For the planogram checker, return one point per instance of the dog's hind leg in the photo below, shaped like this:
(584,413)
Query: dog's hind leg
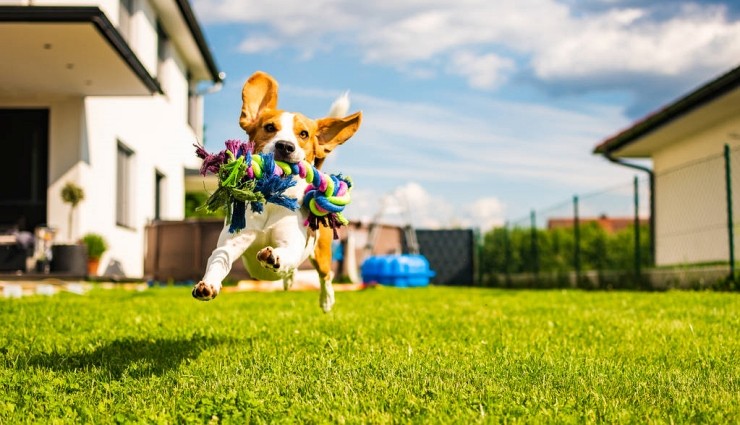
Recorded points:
(288,240)
(230,247)
(321,261)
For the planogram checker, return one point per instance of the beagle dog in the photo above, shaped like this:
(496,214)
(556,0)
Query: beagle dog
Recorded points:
(276,241)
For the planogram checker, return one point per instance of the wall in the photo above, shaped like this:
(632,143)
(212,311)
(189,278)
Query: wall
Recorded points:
(690,196)
(159,138)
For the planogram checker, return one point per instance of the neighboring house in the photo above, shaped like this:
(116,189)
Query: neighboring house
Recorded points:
(609,224)
(104,94)
(685,141)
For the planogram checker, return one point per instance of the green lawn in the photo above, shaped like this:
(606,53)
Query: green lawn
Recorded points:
(431,355)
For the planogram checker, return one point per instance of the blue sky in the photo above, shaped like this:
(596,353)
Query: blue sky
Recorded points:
(475,111)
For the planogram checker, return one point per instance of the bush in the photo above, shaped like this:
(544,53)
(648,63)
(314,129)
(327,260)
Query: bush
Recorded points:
(96,245)
(524,250)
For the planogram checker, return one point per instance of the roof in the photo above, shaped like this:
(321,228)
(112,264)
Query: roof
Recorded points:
(35,46)
(107,65)
(710,91)
(610,224)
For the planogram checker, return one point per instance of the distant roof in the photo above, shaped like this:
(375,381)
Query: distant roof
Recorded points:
(704,94)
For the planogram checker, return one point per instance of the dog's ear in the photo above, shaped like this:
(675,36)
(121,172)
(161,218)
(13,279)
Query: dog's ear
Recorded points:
(332,132)
(259,92)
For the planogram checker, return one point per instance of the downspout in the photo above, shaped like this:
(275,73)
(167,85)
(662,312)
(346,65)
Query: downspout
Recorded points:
(651,177)
(195,98)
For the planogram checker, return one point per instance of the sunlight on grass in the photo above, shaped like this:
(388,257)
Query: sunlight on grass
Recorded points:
(387,355)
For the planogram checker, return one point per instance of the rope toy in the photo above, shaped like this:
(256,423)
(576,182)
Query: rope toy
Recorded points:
(245,177)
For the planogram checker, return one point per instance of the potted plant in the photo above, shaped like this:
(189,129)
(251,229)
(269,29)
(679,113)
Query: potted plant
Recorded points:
(72,195)
(70,257)
(96,247)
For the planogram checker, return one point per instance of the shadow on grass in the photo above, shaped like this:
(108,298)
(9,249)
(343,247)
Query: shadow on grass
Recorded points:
(136,358)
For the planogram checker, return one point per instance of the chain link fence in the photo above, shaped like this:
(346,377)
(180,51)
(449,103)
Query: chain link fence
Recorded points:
(616,238)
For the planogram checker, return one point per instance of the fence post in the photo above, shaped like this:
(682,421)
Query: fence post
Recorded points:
(507,254)
(730,224)
(576,240)
(535,259)
(638,259)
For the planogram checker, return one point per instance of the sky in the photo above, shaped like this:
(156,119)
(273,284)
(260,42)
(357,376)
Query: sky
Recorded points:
(475,112)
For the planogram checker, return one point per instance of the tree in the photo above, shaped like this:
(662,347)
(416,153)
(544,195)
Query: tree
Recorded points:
(72,195)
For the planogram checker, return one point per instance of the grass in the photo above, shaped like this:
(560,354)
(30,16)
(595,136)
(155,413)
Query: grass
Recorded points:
(431,355)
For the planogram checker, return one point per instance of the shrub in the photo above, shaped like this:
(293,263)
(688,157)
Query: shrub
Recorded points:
(96,245)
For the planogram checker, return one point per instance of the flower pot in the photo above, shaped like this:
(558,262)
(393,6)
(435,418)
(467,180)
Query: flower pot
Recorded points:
(92,266)
(70,259)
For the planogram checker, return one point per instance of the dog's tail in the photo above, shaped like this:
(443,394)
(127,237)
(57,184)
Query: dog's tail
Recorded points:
(340,107)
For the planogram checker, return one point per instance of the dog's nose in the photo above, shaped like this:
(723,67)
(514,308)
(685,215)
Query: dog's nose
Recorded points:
(284,146)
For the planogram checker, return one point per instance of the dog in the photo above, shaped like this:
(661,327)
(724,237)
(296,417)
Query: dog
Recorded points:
(277,241)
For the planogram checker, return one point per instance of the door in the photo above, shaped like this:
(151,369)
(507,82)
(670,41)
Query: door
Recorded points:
(24,173)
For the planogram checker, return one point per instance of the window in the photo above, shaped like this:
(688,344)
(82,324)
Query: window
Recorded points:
(162,51)
(195,108)
(159,194)
(124,186)
(125,12)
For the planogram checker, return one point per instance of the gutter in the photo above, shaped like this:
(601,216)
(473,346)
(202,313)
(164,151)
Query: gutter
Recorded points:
(651,176)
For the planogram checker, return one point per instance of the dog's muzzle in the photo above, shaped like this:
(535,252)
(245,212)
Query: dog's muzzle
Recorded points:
(285,150)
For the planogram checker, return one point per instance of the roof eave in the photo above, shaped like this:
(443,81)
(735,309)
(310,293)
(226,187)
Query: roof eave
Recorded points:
(667,114)
(80,14)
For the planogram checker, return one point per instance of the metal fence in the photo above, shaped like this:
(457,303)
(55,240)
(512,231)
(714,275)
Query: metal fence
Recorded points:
(663,226)
(451,255)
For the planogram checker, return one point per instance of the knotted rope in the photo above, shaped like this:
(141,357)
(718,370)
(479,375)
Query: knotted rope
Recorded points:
(244,177)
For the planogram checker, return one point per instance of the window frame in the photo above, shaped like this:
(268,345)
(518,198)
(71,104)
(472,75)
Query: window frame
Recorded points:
(125,157)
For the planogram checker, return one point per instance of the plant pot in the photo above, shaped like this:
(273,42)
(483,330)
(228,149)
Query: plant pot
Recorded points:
(92,266)
(71,259)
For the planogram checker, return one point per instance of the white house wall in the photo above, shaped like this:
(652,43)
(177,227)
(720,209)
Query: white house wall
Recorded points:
(67,138)
(156,130)
(690,196)
(158,139)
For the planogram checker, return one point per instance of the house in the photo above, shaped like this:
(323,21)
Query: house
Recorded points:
(106,94)
(685,141)
(610,225)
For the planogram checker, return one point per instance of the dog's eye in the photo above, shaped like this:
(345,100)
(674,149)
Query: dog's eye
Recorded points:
(303,134)
(270,128)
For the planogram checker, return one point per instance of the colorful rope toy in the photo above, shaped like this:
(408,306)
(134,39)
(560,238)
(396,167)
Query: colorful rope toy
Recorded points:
(244,177)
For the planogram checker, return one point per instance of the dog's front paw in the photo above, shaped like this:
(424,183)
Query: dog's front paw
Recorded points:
(266,256)
(326,300)
(204,291)
(326,297)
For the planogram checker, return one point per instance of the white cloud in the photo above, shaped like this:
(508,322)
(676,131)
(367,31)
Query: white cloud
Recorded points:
(627,41)
(521,140)
(554,40)
(482,71)
(411,203)
(258,44)
(486,213)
